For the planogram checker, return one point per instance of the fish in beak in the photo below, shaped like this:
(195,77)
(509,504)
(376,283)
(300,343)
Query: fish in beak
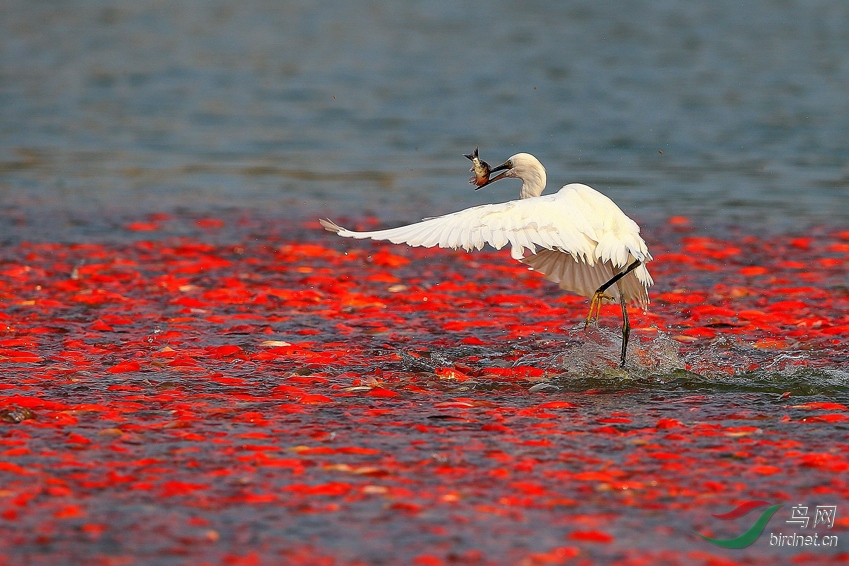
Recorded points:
(506,167)
(480,168)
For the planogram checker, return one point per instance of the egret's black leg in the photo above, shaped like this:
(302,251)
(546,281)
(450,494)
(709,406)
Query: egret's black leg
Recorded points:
(598,296)
(618,276)
(626,328)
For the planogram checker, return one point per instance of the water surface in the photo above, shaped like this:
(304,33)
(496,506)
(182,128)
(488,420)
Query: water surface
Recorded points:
(729,112)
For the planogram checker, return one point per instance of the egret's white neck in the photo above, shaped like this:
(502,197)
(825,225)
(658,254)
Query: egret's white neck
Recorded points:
(533,182)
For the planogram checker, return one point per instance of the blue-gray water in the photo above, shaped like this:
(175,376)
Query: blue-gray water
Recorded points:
(725,111)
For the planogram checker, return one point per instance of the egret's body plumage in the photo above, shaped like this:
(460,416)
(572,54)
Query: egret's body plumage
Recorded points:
(577,237)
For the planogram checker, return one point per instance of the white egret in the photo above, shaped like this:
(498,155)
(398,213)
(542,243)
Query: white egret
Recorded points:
(576,237)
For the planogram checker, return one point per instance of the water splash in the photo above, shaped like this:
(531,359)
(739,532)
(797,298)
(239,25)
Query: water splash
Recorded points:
(581,360)
(588,359)
(594,352)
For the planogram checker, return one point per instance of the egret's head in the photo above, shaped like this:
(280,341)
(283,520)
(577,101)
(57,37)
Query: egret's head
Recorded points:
(522,166)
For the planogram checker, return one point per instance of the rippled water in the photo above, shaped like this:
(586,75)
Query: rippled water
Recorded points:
(725,111)
(266,113)
(728,112)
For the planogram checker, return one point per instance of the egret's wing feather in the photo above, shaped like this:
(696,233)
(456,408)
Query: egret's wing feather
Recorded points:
(584,279)
(636,285)
(571,274)
(617,237)
(520,223)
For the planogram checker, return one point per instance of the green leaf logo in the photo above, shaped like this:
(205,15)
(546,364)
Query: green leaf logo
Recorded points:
(754,531)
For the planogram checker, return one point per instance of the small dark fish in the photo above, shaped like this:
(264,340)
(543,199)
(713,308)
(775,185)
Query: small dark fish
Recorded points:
(481,169)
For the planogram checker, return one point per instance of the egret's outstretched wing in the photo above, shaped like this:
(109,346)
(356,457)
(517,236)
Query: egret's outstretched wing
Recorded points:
(547,222)
(577,237)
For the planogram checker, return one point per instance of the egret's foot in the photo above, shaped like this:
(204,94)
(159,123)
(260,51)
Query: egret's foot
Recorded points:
(595,307)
